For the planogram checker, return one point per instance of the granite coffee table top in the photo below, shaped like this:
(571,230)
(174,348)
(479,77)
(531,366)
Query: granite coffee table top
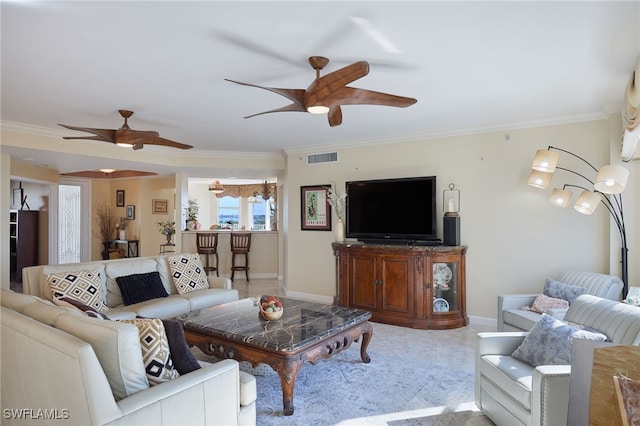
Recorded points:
(302,323)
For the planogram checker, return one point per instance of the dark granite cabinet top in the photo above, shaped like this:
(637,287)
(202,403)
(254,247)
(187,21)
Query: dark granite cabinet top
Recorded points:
(301,324)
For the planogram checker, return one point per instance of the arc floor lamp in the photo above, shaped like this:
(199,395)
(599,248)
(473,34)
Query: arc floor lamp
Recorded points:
(609,183)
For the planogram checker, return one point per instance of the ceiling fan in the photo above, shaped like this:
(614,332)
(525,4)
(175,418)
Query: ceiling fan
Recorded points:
(328,93)
(125,136)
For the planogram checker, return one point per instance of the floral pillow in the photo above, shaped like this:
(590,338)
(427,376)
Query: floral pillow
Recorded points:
(543,304)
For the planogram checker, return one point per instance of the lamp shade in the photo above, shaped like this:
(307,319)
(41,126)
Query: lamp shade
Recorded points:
(587,202)
(545,161)
(539,179)
(560,197)
(611,179)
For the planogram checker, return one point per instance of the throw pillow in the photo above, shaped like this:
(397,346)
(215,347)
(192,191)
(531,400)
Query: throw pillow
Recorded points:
(155,350)
(188,273)
(83,286)
(542,304)
(183,359)
(561,290)
(549,342)
(60,300)
(136,288)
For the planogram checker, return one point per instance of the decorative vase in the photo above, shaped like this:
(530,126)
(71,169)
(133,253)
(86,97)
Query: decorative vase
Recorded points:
(168,238)
(122,234)
(339,231)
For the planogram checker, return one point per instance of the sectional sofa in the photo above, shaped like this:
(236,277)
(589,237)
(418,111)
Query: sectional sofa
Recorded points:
(533,392)
(172,270)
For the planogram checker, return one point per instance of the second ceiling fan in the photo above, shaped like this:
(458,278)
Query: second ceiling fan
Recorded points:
(328,93)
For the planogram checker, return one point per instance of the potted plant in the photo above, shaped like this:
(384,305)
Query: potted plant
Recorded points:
(192,215)
(167,228)
(107,225)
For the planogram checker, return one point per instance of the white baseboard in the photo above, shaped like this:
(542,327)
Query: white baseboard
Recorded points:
(490,322)
(310,297)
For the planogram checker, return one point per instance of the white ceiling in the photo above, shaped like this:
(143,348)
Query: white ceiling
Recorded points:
(473,66)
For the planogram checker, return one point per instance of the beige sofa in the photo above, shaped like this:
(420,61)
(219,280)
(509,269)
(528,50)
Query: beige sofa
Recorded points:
(512,392)
(511,316)
(219,291)
(60,366)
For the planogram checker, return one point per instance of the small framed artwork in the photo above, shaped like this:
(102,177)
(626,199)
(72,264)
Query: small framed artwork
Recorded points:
(120,198)
(315,209)
(17,197)
(131,212)
(160,206)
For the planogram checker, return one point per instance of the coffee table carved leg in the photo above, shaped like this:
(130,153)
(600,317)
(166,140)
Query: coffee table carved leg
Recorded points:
(288,371)
(367,334)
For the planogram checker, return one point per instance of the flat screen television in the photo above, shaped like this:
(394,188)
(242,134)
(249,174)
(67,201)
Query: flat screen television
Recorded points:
(400,211)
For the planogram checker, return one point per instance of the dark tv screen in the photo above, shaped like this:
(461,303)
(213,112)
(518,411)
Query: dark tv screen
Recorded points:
(394,210)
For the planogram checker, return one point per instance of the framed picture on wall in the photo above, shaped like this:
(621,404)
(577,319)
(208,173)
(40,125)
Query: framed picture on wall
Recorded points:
(314,208)
(120,198)
(160,206)
(131,212)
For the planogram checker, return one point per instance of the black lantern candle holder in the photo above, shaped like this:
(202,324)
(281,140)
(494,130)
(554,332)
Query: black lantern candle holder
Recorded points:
(451,219)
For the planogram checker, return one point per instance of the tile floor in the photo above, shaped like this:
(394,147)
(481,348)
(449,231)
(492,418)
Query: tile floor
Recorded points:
(456,349)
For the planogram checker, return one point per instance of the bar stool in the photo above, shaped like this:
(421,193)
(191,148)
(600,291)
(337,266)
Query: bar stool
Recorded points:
(240,246)
(207,244)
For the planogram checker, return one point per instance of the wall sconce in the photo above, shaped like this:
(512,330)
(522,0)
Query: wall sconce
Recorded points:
(216,187)
(609,183)
(451,219)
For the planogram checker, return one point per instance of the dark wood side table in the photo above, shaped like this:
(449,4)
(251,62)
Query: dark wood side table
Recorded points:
(131,249)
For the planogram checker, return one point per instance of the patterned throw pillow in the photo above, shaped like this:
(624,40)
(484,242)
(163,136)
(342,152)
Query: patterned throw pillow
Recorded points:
(543,304)
(83,286)
(188,273)
(549,342)
(155,350)
(561,290)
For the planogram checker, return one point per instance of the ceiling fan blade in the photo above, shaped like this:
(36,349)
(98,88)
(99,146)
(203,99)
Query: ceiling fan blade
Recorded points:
(325,86)
(335,116)
(291,107)
(131,136)
(294,95)
(258,48)
(106,135)
(354,96)
(164,142)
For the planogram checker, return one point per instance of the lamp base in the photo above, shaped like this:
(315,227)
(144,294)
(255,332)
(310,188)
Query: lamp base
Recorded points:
(451,230)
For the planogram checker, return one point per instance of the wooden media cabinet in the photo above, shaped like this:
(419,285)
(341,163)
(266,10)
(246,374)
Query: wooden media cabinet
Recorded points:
(411,286)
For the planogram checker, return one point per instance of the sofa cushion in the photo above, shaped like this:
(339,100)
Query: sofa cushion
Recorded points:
(509,375)
(137,288)
(72,303)
(83,286)
(560,290)
(212,296)
(16,301)
(183,359)
(187,273)
(48,313)
(117,346)
(164,307)
(549,342)
(155,350)
(119,268)
(542,304)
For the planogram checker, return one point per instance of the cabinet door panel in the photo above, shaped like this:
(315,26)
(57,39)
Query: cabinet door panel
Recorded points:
(363,288)
(397,280)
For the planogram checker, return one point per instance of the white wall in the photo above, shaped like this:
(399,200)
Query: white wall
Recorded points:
(515,237)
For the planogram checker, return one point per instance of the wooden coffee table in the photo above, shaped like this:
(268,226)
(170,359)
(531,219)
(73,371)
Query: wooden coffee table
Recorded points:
(306,332)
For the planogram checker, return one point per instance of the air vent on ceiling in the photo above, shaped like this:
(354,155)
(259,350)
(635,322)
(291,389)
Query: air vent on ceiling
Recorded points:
(327,157)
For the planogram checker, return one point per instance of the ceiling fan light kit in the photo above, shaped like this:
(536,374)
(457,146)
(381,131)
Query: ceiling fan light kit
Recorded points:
(125,136)
(327,94)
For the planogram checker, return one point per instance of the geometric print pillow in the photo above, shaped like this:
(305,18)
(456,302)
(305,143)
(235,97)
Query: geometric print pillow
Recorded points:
(188,273)
(83,286)
(155,350)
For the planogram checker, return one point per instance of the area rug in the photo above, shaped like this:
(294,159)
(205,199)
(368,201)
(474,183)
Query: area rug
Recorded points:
(394,389)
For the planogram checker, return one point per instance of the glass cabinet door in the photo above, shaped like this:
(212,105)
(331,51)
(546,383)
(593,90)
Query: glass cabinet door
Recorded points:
(445,286)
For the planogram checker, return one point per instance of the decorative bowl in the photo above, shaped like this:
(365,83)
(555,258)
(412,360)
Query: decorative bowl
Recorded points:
(270,308)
